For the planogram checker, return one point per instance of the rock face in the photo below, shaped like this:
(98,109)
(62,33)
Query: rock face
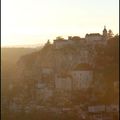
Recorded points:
(49,61)
(59,60)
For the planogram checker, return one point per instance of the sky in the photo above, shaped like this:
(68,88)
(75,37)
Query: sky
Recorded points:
(33,22)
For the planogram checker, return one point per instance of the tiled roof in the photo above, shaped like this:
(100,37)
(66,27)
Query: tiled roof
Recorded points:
(82,66)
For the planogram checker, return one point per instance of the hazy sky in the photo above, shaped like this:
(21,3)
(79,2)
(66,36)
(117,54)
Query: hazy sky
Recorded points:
(36,21)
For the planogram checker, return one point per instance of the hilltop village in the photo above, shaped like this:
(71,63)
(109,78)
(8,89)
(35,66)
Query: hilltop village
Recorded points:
(74,74)
(67,64)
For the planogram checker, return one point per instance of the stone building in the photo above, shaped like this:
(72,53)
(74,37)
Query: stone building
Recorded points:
(82,76)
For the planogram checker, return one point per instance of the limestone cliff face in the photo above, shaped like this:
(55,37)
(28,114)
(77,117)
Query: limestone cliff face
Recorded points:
(59,60)
(29,66)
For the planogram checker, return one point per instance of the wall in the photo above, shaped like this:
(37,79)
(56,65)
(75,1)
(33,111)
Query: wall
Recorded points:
(81,79)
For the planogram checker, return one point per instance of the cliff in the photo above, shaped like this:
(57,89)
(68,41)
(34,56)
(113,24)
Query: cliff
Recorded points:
(59,60)
(102,58)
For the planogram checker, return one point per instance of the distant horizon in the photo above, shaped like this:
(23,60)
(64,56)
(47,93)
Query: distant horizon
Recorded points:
(27,22)
(23,46)
(38,44)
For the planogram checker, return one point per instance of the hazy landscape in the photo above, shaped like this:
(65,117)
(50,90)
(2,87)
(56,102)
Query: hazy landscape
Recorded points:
(60,59)
(31,89)
(9,58)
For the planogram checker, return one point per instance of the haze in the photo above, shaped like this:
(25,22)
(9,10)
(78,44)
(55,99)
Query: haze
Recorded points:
(27,22)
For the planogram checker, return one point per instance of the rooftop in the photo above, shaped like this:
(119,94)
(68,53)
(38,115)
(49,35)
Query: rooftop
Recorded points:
(93,34)
(83,66)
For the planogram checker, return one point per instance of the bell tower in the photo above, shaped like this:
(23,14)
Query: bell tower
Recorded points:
(104,32)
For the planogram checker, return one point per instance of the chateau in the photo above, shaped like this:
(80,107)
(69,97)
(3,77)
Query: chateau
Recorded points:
(90,39)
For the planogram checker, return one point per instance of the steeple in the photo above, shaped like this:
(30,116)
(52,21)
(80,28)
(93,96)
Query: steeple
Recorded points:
(104,32)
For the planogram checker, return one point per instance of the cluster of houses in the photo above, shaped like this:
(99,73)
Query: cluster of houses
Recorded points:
(81,75)
(90,39)
(103,112)
(78,77)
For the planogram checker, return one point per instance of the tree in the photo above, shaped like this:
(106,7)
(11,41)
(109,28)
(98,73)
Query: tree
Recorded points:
(110,34)
(59,38)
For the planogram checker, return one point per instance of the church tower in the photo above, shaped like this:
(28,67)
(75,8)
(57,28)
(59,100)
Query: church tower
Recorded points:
(105,33)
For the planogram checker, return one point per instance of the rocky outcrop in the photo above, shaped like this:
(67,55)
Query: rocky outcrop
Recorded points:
(64,59)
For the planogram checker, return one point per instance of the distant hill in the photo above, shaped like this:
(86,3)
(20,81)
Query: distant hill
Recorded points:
(9,58)
(16,53)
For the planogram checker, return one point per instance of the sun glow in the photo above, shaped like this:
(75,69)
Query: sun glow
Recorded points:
(35,21)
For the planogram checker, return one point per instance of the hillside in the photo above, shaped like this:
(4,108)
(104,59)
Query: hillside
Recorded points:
(65,59)
(9,58)
(34,85)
